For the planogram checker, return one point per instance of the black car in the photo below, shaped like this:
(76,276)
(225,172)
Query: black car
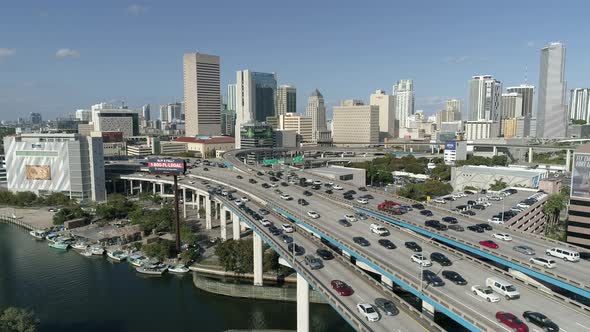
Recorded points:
(454,277)
(316,187)
(435,224)
(485,226)
(263,212)
(307,193)
(415,247)
(297,249)
(303,202)
(362,189)
(348,197)
(361,241)
(259,173)
(418,206)
(479,207)
(344,222)
(387,244)
(284,184)
(205,169)
(427,213)
(252,181)
(274,230)
(540,320)
(351,192)
(585,255)
(329,191)
(450,220)
(475,228)
(471,202)
(286,238)
(468,213)
(431,278)
(440,259)
(324,254)
(265,185)
(457,228)
(367,196)
(273,179)
(239,177)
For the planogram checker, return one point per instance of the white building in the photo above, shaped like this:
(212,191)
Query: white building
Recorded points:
(316,110)
(387,121)
(84,115)
(300,124)
(355,124)
(480,130)
(551,109)
(202,94)
(484,98)
(455,150)
(484,176)
(454,106)
(403,93)
(231,97)
(580,104)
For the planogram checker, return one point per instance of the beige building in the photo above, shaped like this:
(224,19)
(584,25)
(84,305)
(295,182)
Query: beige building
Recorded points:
(387,123)
(298,123)
(207,147)
(509,127)
(355,123)
(202,94)
(286,99)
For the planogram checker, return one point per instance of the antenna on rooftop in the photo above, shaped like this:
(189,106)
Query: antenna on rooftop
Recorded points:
(526,69)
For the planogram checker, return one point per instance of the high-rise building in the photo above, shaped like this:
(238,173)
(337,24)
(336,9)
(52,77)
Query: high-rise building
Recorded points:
(174,112)
(385,102)
(84,115)
(484,98)
(255,98)
(145,112)
(228,122)
(355,123)
(202,94)
(316,110)
(580,104)
(35,118)
(295,122)
(511,105)
(551,109)
(528,93)
(403,93)
(256,134)
(164,113)
(286,99)
(231,97)
(454,106)
(123,120)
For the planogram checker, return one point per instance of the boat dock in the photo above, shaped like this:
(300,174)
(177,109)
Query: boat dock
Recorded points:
(16,221)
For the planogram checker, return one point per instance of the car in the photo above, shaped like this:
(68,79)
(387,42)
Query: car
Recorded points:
(337,187)
(313,215)
(324,254)
(468,213)
(316,187)
(471,202)
(286,197)
(386,306)
(344,223)
(263,212)
(420,260)
(368,312)
(456,228)
(432,279)
(362,189)
(367,196)
(540,320)
(313,262)
(362,201)
(489,244)
(361,241)
(440,201)
(317,183)
(418,206)
(479,207)
(427,213)
(350,192)
(524,250)
(287,228)
(278,191)
(502,236)
(284,184)
(191,182)
(440,258)
(485,226)
(205,169)
(379,230)
(302,202)
(475,228)
(454,277)
(545,262)
(274,230)
(265,185)
(361,216)
(407,208)
(513,322)
(239,177)
(350,217)
(413,246)
(342,288)
(486,292)
(387,244)
(450,220)
(329,192)
(266,222)
(286,238)
(274,185)
(435,224)
(252,181)
(307,193)
(348,197)
(295,248)
(245,199)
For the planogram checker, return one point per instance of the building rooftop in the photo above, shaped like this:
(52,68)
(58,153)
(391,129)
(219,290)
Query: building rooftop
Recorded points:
(508,171)
(211,140)
(334,170)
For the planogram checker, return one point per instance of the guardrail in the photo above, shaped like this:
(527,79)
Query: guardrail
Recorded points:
(16,221)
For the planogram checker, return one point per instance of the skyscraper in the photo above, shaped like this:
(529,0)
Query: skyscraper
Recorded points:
(231,97)
(454,106)
(527,92)
(580,104)
(484,98)
(286,99)
(511,105)
(551,109)
(316,110)
(355,123)
(403,93)
(145,112)
(385,102)
(35,118)
(202,94)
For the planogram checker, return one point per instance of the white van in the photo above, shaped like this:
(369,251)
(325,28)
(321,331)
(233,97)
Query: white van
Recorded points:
(503,288)
(565,254)
(379,230)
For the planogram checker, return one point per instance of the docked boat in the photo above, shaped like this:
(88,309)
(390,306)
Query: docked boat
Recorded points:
(86,253)
(117,255)
(51,236)
(80,245)
(137,260)
(38,234)
(180,269)
(59,245)
(157,269)
(96,249)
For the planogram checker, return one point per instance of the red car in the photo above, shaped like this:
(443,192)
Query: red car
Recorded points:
(341,287)
(511,321)
(489,244)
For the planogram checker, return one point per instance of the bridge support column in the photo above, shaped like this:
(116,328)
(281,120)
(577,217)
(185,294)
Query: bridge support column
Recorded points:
(184,202)
(568,160)
(154,188)
(140,187)
(208,212)
(162,189)
(495,151)
(405,148)
(194,201)
(223,223)
(235,223)
(257,260)
(302,304)
(428,310)
(530,155)
(131,185)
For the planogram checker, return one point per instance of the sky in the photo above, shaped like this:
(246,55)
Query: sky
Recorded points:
(58,56)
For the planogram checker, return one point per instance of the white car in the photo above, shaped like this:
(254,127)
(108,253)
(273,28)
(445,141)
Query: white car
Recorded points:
(362,201)
(502,236)
(274,185)
(287,228)
(486,204)
(337,187)
(245,199)
(331,183)
(313,214)
(368,311)
(456,196)
(485,292)
(421,260)
(440,201)
(238,202)
(286,197)
(545,262)
(350,217)
(191,182)
(265,222)
(317,182)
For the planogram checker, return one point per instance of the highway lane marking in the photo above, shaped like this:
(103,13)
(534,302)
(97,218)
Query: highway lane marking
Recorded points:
(474,296)
(482,315)
(586,327)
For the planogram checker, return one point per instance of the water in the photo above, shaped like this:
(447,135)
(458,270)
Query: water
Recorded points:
(70,292)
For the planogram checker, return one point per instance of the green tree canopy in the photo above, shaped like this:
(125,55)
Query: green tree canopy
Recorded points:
(160,249)
(69,213)
(18,320)
(441,172)
(116,207)
(498,185)
(419,191)
(236,256)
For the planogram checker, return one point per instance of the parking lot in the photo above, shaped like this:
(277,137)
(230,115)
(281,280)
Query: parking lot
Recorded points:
(496,206)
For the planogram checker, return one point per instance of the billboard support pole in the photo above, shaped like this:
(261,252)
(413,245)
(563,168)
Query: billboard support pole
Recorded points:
(176,213)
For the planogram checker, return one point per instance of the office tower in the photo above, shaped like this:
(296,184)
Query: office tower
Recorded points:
(164,113)
(145,112)
(580,104)
(316,110)
(511,105)
(527,92)
(35,118)
(484,98)
(403,94)
(551,109)
(120,119)
(355,124)
(286,99)
(295,122)
(454,106)
(202,94)
(231,97)
(387,121)
(255,98)
(84,115)
(256,134)
(228,122)
(174,112)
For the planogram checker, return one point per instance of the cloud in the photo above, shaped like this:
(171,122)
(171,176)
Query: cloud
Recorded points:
(67,53)
(137,9)
(6,52)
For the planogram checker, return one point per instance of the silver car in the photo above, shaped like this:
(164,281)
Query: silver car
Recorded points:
(313,262)
(524,250)
(386,306)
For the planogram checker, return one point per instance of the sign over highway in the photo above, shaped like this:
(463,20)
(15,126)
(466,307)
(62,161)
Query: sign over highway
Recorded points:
(170,166)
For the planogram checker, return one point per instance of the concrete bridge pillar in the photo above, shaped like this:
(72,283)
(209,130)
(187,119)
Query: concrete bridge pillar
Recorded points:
(236,226)
(154,187)
(568,160)
(495,151)
(194,201)
(257,260)
(223,223)
(405,148)
(184,202)
(208,212)
(428,310)
(302,304)
(140,187)
(530,155)
(162,189)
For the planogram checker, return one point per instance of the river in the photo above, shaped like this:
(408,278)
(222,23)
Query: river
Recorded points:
(72,293)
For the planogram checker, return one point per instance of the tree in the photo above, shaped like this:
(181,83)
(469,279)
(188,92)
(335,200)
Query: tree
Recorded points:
(69,213)
(116,207)
(499,161)
(552,209)
(160,249)
(18,320)
(419,191)
(58,199)
(578,122)
(236,256)
(271,261)
(498,185)
(441,172)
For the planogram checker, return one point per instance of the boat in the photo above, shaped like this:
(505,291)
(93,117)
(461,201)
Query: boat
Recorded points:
(51,236)
(117,255)
(86,253)
(38,234)
(97,249)
(59,245)
(80,245)
(137,260)
(152,269)
(180,268)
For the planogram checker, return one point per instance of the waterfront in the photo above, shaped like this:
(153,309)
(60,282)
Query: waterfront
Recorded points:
(70,292)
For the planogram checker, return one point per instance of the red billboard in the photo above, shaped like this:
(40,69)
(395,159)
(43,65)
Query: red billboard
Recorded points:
(171,166)
(112,136)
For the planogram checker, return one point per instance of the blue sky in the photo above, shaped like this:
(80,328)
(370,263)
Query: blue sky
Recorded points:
(57,56)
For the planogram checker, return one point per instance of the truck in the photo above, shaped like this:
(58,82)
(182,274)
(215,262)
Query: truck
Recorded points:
(391,207)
